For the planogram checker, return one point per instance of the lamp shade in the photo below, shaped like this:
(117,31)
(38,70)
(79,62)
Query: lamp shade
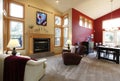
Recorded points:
(13,43)
(68,41)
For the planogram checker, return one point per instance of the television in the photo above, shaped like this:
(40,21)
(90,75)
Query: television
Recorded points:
(41,18)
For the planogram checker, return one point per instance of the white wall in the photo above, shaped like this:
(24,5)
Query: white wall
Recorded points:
(1,27)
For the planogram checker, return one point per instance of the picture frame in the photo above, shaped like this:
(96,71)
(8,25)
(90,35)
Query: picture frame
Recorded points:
(41,18)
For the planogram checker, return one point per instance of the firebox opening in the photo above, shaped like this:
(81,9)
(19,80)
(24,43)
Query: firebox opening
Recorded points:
(41,45)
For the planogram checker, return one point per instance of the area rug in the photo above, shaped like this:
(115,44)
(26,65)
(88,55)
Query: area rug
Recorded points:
(89,69)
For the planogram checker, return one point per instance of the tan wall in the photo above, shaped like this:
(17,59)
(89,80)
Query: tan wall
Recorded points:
(31,7)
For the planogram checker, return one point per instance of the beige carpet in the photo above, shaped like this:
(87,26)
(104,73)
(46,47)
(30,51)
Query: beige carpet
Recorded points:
(90,69)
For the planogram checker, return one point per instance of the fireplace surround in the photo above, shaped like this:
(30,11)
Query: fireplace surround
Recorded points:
(41,45)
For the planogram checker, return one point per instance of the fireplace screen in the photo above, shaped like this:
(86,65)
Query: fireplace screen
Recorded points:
(41,45)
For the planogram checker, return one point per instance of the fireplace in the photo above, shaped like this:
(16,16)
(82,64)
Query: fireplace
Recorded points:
(41,45)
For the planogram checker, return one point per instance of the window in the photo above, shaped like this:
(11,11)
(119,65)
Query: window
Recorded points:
(16,22)
(16,31)
(61,30)
(58,30)
(118,37)
(111,38)
(65,21)
(65,36)
(111,25)
(65,30)
(57,36)
(57,20)
(108,37)
(81,21)
(89,24)
(84,22)
(16,10)
(111,32)
(1,27)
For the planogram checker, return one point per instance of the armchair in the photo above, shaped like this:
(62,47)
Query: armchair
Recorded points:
(74,58)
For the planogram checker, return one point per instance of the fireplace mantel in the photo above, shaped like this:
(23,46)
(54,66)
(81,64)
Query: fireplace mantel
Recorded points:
(33,35)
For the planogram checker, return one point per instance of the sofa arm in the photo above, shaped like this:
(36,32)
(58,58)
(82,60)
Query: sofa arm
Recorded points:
(32,62)
(35,70)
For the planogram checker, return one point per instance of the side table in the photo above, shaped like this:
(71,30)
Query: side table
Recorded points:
(66,50)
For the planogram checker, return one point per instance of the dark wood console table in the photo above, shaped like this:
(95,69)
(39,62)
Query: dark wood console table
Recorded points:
(116,53)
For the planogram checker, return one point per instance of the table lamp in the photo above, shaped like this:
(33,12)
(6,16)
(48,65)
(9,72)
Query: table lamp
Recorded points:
(68,42)
(13,43)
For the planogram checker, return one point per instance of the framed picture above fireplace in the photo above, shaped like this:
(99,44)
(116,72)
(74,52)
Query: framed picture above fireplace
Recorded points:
(41,18)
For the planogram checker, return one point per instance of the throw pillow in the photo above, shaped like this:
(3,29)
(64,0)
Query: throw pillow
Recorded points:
(73,49)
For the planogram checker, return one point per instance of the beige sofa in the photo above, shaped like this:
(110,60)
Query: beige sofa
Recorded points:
(34,70)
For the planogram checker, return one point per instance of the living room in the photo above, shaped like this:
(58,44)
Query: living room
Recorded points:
(77,32)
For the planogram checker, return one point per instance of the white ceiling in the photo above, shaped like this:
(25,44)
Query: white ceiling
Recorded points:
(91,8)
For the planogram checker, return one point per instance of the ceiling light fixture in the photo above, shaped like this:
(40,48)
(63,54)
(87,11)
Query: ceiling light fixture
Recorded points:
(57,1)
(111,24)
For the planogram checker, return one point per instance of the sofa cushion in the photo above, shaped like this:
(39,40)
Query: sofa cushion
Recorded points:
(33,62)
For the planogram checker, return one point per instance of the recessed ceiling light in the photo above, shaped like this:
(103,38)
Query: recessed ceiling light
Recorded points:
(57,1)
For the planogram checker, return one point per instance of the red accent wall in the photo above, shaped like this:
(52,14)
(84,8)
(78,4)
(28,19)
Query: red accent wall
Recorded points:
(79,33)
(98,24)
